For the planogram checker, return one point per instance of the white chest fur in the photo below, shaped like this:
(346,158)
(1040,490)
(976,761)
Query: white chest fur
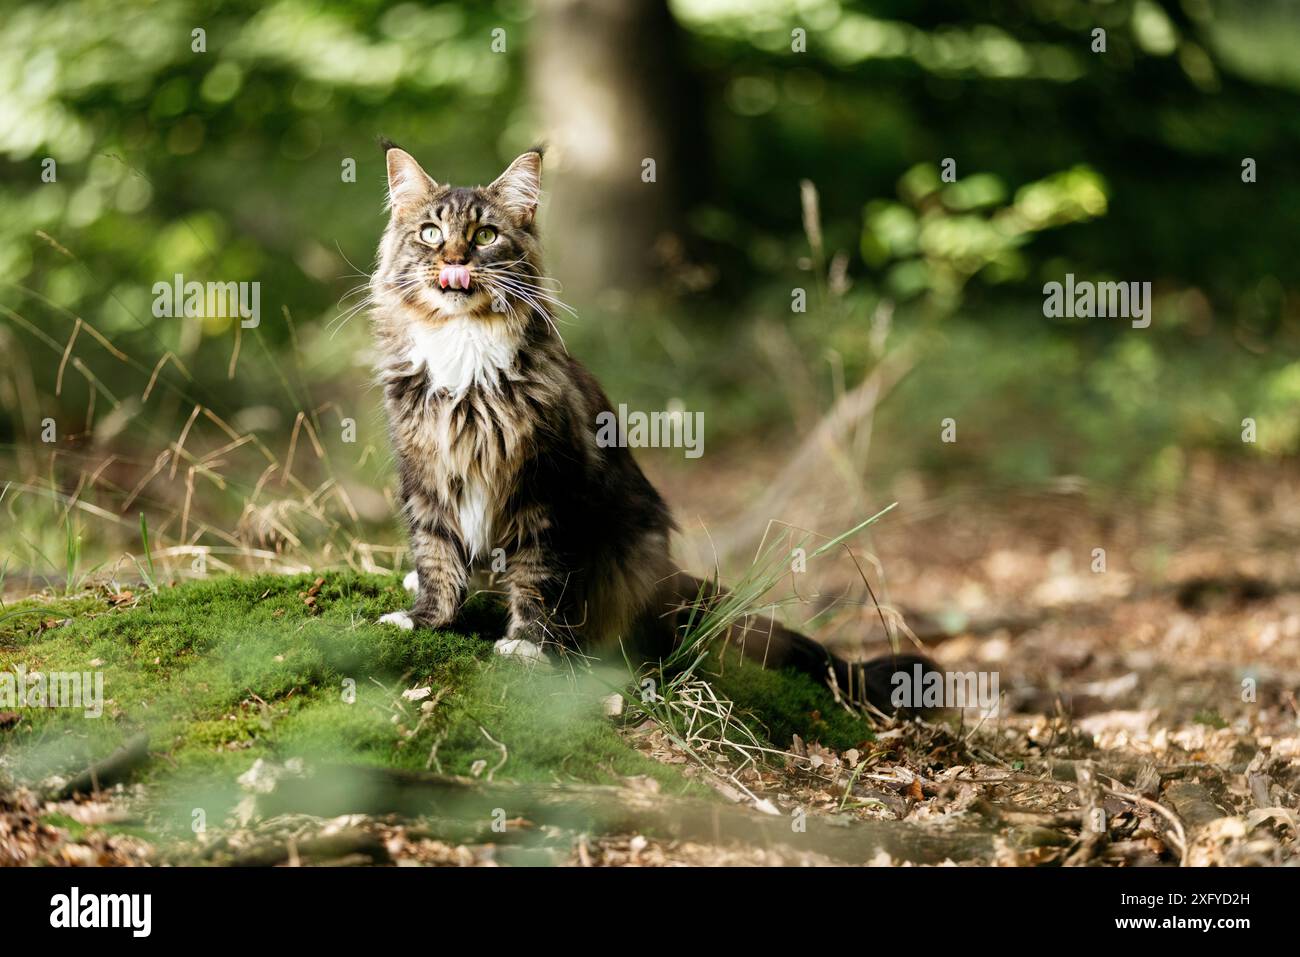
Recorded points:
(474,513)
(459,353)
(462,351)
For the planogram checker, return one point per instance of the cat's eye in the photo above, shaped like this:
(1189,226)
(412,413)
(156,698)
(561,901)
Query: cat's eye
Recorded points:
(430,234)
(485,236)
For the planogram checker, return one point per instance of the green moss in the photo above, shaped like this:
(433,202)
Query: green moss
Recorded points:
(76,830)
(1210,718)
(781,704)
(224,671)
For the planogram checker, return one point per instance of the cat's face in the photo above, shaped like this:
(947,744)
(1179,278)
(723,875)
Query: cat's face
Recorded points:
(458,251)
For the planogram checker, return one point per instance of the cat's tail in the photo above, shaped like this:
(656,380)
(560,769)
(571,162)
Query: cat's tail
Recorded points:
(762,639)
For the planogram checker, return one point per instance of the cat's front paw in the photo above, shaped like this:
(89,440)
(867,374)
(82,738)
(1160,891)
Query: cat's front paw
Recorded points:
(521,649)
(412,582)
(399,618)
(415,618)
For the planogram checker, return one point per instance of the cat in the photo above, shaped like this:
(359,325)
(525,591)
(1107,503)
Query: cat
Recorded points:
(493,426)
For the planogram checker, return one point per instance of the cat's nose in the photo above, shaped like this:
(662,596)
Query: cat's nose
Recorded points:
(454,275)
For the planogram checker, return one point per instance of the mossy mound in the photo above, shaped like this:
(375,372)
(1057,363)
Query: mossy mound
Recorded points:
(224,671)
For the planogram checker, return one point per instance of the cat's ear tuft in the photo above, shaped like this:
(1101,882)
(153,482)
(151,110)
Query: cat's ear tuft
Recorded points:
(408,183)
(519,187)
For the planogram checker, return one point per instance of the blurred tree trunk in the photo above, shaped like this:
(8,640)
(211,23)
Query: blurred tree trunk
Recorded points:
(608,82)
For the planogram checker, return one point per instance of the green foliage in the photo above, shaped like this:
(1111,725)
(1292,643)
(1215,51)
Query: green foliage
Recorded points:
(230,164)
(942,235)
(700,694)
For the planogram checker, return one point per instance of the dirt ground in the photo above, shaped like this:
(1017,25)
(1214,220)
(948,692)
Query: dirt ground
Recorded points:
(1149,711)
(1148,707)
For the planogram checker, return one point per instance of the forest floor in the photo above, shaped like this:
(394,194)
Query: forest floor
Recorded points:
(1148,714)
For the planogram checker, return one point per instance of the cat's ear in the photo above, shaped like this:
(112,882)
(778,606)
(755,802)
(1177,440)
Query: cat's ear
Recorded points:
(520,185)
(408,183)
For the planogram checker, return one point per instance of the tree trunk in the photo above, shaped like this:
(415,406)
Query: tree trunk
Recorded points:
(610,91)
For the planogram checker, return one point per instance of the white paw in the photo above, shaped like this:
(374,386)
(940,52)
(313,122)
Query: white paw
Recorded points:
(399,618)
(412,582)
(520,648)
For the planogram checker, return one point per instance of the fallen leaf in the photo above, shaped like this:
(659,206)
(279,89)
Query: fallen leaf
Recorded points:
(1253,819)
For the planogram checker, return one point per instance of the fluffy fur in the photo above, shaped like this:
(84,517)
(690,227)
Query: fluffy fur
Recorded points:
(494,424)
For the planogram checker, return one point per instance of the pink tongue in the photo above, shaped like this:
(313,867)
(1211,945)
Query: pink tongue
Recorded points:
(455,276)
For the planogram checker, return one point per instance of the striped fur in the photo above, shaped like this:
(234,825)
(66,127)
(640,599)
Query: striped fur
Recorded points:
(493,424)
(494,429)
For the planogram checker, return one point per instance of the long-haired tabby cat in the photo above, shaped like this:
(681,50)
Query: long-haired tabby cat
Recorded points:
(494,429)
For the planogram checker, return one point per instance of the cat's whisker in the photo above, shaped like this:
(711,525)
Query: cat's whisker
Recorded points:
(500,294)
(355,290)
(335,325)
(518,273)
(522,295)
(359,271)
(538,300)
(541,282)
(509,266)
(523,280)
(500,290)
(519,287)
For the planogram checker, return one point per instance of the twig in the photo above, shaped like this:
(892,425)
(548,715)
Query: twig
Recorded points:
(1160,809)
